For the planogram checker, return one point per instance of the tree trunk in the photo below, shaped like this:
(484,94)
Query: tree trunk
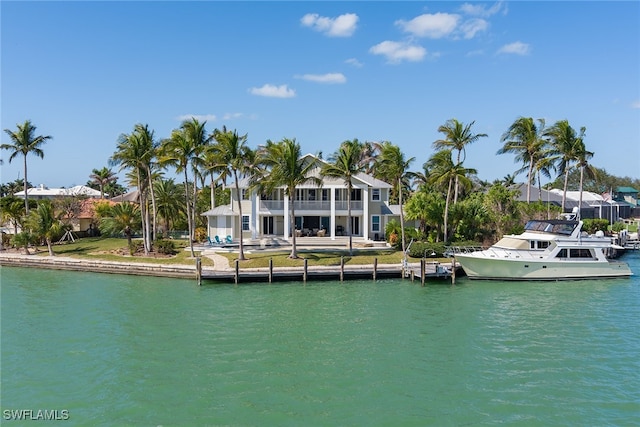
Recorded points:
(580,200)
(349,189)
(238,195)
(26,197)
(292,227)
(49,246)
(189,221)
(446,212)
(153,205)
(566,183)
(401,215)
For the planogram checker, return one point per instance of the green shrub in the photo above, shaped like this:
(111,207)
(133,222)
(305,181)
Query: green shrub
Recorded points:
(166,247)
(426,249)
(135,247)
(593,225)
(200,234)
(618,226)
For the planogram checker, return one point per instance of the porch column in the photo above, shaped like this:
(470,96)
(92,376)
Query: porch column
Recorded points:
(332,221)
(286,217)
(365,213)
(255,206)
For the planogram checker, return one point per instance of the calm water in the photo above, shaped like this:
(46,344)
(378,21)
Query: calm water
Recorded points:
(116,350)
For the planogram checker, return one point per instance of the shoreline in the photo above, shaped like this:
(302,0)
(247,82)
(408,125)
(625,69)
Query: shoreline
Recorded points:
(209,274)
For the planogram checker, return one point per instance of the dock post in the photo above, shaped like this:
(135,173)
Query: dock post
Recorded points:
(236,276)
(423,270)
(375,268)
(342,268)
(453,271)
(304,274)
(199,271)
(270,270)
(413,275)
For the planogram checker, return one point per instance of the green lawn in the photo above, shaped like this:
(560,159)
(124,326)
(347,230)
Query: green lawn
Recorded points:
(99,248)
(315,257)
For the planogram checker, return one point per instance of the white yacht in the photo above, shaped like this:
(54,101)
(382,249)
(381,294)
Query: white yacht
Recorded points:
(547,250)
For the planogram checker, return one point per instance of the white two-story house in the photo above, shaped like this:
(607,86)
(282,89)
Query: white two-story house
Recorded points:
(320,211)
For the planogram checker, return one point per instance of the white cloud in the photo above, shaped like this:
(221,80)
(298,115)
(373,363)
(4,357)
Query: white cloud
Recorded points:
(396,52)
(198,117)
(434,26)
(341,26)
(324,78)
(273,91)
(472,26)
(482,10)
(231,116)
(635,104)
(354,62)
(517,48)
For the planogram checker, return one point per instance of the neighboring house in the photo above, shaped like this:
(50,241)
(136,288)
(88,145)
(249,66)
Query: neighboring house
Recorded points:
(320,211)
(41,192)
(132,196)
(593,205)
(626,194)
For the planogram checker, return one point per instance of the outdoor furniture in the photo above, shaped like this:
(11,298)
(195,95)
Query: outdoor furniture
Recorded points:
(218,241)
(228,240)
(298,233)
(322,233)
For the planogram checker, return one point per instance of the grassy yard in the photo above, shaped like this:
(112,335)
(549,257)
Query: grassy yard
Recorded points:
(114,249)
(316,257)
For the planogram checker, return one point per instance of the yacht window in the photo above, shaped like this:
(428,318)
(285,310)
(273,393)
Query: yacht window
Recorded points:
(562,253)
(543,245)
(580,253)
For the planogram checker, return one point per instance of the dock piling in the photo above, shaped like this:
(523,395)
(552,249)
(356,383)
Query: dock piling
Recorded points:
(199,271)
(304,274)
(453,270)
(342,268)
(375,268)
(236,276)
(270,270)
(423,263)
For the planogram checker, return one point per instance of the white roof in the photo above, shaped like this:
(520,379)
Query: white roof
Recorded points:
(42,191)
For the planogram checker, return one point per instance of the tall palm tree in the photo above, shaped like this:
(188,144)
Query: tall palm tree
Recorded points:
(345,164)
(149,165)
(102,177)
(179,151)
(45,224)
(583,156)
(136,151)
(233,158)
(285,167)
(457,137)
(25,141)
(443,174)
(567,145)
(526,140)
(394,168)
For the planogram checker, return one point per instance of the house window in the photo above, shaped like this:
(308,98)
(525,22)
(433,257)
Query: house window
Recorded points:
(375,222)
(245,223)
(356,194)
(375,195)
(325,194)
(245,194)
(312,194)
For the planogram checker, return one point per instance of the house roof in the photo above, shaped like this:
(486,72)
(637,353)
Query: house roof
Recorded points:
(42,191)
(362,177)
(131,196)
(223,210)
(626,190)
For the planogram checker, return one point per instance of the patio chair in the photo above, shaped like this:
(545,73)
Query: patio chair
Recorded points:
(228,239)
(211,242)
(218,241)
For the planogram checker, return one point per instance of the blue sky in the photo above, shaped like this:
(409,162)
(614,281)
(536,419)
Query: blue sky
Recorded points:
(320,72)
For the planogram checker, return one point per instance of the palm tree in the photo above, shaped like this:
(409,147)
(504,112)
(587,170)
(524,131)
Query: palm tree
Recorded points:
(567,146)
(345,164)
(525,139)
(168,201)
(102,177)
(443,174)
(43,223)
(286,168)
(233,158)
(123,218)
(457,137)
(24,142)
(179,151)
(136,152)
(392,166)
(583,156)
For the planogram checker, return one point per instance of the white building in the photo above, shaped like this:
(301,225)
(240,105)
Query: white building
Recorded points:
(41,192)
(319,211)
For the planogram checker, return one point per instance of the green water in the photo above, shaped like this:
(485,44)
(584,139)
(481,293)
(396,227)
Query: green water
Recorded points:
(118,350)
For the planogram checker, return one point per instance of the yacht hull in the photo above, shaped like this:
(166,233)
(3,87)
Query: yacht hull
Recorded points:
(479,266)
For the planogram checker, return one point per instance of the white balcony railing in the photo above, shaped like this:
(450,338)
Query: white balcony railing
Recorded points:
(310,205)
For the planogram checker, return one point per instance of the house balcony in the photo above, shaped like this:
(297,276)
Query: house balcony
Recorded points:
(309,205)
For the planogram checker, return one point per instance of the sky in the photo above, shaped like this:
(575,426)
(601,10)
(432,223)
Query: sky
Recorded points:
(321,72)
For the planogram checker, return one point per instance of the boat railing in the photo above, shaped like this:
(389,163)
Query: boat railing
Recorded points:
(451,251)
